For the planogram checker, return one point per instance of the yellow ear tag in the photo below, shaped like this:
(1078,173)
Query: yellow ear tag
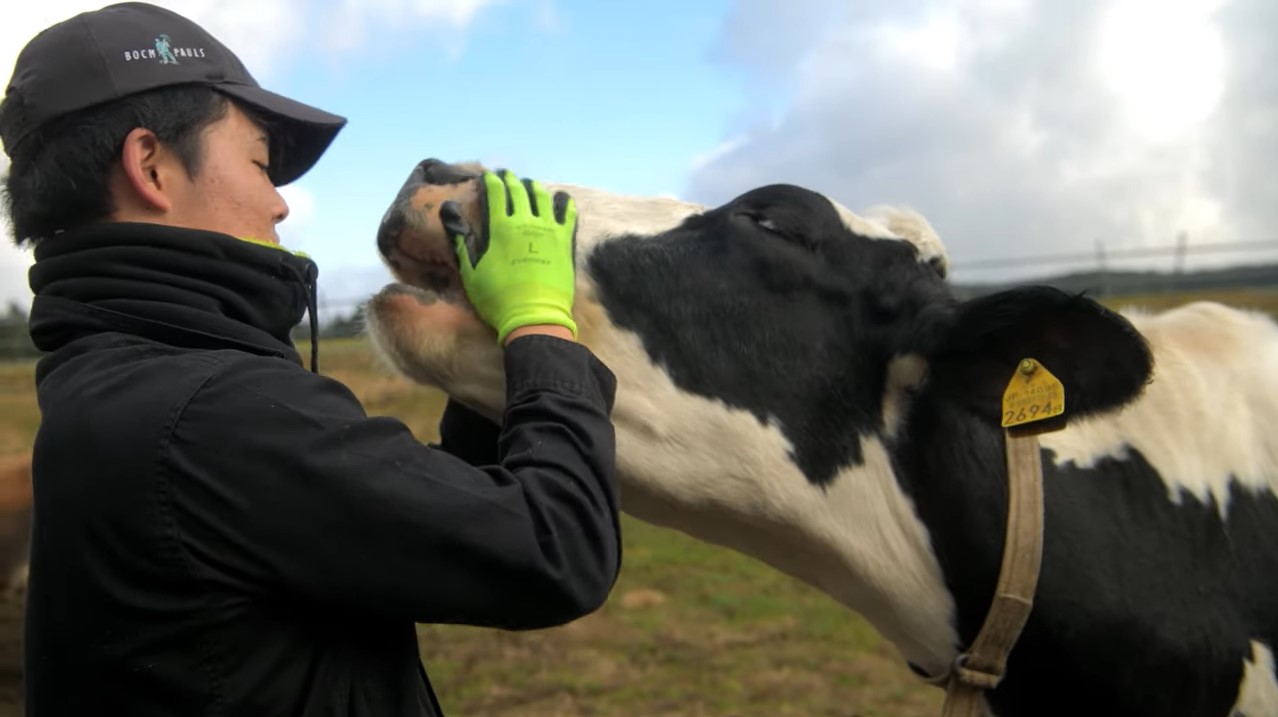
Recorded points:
(1033,394)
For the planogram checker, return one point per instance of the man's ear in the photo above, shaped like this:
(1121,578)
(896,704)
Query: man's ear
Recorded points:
(144,165)
(1099,357)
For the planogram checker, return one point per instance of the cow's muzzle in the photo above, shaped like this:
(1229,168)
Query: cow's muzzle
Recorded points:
(411,239)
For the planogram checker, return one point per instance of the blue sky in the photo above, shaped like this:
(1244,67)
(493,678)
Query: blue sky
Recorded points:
(587,95)
(1019,128)
(591,97)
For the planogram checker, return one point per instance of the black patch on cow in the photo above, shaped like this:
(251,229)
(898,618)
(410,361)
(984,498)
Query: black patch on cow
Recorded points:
(1144,607)
(771,304)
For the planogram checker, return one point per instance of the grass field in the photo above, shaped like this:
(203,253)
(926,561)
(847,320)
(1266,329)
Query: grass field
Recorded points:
(691,629)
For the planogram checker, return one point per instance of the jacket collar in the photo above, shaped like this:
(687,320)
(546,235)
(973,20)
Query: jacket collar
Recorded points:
(185,287)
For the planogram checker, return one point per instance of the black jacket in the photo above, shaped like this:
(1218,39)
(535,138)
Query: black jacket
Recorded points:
(219,531)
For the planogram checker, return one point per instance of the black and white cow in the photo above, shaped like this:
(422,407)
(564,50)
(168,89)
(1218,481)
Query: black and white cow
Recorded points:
(798,383)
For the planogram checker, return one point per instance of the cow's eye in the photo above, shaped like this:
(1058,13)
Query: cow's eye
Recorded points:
(763,222)
(784,232)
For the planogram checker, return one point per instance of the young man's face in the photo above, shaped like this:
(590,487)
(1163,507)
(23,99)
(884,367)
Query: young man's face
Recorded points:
(231,193)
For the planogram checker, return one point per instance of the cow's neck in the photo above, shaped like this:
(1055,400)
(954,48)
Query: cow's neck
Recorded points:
(857,537)
(953,467)
(855,541)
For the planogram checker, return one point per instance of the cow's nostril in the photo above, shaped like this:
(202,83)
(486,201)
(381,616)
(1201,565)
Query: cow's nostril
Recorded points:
(438,172)
(422,173)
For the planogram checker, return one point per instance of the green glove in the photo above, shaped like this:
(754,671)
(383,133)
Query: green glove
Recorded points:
(521,268)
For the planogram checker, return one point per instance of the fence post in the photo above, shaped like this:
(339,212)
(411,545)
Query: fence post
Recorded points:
(1102,276)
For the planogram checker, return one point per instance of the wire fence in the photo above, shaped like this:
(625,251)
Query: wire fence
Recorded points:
(1178,252)
(1177,267)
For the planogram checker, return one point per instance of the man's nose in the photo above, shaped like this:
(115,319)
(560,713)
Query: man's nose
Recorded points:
(281,207)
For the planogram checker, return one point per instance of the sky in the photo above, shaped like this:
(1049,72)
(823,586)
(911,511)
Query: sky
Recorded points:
(1019,128)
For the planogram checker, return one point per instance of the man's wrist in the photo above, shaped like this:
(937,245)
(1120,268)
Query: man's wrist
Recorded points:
(555,330)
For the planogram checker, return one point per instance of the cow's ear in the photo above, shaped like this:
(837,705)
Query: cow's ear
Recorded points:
(1099,357)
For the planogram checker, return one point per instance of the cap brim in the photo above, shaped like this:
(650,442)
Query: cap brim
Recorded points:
(302,132)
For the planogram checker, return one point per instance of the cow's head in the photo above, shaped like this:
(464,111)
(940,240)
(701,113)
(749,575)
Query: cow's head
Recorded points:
(766,351)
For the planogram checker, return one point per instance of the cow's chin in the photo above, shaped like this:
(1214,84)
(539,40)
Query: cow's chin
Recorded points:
(437,343)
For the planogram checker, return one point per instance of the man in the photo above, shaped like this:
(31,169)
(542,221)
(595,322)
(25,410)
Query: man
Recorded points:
(218,530)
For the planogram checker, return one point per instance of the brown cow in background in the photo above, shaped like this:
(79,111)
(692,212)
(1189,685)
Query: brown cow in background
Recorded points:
(15,524)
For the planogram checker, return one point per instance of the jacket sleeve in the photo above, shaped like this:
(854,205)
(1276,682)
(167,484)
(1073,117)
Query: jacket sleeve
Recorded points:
(279,483)
(468,435)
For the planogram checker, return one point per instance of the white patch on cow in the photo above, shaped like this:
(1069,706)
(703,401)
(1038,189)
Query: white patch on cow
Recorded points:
(863,225)
(901,223)
(1258,691)
(904,375)
(602,215)
(1208,416)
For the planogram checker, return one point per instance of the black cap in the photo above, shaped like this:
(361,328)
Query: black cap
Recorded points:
(132,47)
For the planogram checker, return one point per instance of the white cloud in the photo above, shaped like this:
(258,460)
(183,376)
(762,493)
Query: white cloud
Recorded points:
(1019,127)
(14,263)
(350,22)
(301,205)
(456,14)
(548,16)
(263,33)
(724,149)
(296,231)
(1141,59)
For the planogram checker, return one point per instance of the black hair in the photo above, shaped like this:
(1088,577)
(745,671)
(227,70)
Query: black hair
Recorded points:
(59,175)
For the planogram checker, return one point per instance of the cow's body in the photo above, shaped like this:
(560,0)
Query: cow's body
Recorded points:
(798,384)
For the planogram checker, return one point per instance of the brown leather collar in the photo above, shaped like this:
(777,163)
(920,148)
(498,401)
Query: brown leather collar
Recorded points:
(981,666)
